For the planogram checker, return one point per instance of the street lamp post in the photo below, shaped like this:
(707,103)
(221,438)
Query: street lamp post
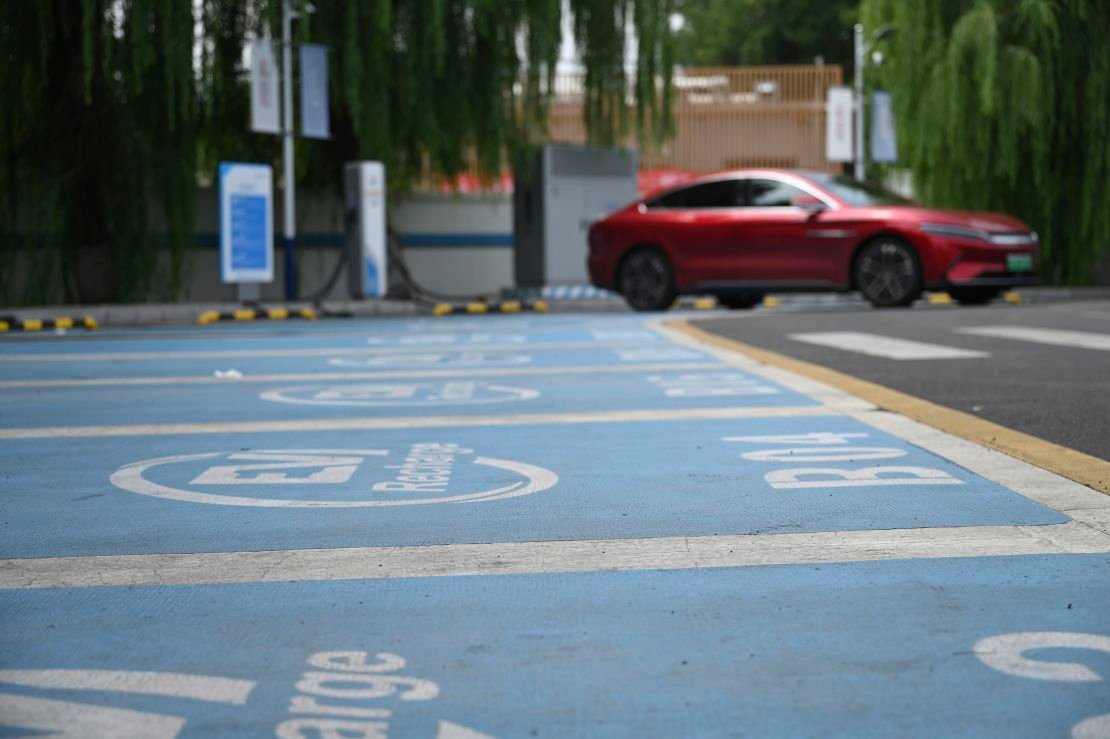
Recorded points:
(861,51)
(287,148)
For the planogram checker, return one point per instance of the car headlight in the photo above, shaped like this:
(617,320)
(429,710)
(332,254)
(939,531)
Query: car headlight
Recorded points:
(943,229)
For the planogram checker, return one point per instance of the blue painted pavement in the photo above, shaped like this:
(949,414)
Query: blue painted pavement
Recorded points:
(239,401)
(501,335)
(359,359)
(870,649)
(226,492)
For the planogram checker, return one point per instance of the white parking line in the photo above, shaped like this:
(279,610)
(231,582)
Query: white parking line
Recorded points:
(885,346)
(1054,337)
(666,553)
(409,422)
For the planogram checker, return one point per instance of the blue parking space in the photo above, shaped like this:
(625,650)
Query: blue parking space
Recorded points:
(204,364)
(1006,647)
(503,334)
(239,401)
(260,491)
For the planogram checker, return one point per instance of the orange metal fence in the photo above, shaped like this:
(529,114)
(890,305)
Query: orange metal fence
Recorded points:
(727,117)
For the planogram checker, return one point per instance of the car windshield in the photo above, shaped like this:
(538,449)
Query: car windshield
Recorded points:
(854,192)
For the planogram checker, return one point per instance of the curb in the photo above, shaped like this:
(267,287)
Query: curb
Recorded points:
(11,323)
(184,314)
(502,306)
(250,314)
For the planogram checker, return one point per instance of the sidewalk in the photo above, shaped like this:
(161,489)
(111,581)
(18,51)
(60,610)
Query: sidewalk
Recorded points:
(184,314)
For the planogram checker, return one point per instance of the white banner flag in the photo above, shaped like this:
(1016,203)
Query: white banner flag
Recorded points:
(884,139)
(265,109)
(838,125)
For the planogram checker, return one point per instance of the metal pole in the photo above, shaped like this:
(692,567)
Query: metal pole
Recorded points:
(287,148)
(860,161)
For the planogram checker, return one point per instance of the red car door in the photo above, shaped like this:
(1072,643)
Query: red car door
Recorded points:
(702,226)
(789,243)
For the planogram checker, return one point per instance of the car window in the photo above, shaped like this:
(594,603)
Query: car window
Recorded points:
(855,192)
(772,194)
(716,194)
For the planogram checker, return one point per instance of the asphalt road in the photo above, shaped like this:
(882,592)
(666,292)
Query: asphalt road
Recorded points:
(549,526)
(1056,391)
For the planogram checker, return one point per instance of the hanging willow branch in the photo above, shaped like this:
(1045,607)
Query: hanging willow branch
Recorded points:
(1005,105)
(114,109)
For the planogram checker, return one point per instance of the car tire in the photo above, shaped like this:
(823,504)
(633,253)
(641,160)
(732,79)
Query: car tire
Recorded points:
(974,295)
(646,280)
(739,302)
(888,273)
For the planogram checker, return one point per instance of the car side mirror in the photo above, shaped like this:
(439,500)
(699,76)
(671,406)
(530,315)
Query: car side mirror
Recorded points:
(812,205)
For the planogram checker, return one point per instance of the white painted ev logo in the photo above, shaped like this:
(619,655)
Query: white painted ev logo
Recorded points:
(295,478)
(378,394)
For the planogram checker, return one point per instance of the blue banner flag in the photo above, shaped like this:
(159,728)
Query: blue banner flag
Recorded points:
(314,92)
(884,138)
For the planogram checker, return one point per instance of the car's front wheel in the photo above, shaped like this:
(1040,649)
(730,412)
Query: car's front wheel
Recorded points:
(887,273)
(647,281)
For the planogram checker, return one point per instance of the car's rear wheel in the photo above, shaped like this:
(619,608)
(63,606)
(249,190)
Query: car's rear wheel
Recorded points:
(974,295)
(647,281)
(739,302)
(887,273)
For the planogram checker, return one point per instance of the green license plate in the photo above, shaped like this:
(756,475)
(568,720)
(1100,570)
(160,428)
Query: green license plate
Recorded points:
(1019,262)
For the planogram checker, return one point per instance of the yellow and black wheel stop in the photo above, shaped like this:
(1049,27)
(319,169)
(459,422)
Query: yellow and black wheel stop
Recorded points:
(9,323)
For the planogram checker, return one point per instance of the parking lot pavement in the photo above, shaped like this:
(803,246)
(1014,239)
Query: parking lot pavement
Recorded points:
(893,648)
(520,526)
(1040,369)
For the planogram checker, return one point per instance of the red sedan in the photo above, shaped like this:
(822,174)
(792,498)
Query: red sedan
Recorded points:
(741,234)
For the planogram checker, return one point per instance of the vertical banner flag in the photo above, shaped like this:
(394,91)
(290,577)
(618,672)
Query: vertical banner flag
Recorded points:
(246,222)
(314,91)
(264,88)
(884,139)
(838,125)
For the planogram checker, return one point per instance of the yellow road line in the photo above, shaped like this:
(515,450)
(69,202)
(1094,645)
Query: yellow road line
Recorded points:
(1070,463)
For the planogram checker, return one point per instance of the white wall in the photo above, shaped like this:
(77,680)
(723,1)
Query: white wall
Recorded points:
(452,243)
(457,244)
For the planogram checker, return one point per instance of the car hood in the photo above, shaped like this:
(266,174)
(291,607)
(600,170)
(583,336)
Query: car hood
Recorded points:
(978,220)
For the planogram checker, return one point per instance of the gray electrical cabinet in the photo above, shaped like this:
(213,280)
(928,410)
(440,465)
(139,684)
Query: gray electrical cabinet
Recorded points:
(559,191)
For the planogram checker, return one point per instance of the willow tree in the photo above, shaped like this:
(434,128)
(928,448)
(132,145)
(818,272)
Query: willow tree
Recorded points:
(1005,105)
(113,109)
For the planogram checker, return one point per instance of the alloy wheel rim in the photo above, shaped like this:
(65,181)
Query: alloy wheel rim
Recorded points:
(887,273)
(644,280)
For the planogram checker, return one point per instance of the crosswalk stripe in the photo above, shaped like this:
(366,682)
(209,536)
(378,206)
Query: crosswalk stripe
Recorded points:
(885,346)
(1055,337)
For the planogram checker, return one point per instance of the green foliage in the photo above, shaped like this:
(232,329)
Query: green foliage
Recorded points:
(731,32)
(112,109)
(95,104)
(1005,105)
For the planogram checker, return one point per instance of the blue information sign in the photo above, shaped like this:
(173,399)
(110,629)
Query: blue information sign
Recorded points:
(248,231)
(246,222)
